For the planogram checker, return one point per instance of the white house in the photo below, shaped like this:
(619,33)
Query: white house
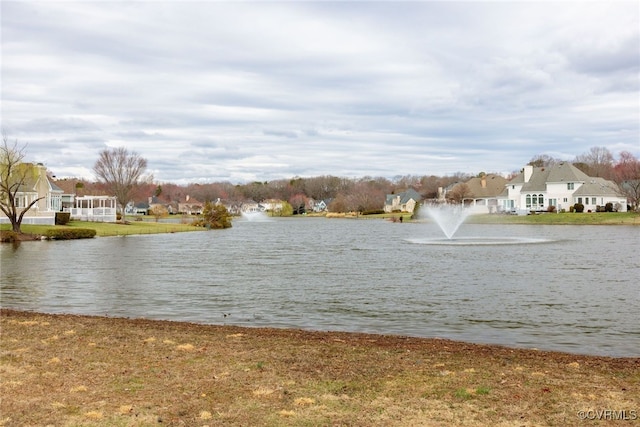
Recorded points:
(561,185)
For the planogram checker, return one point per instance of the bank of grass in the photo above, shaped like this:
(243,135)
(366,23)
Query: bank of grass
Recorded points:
(66,370)
(104,229)
(567,218)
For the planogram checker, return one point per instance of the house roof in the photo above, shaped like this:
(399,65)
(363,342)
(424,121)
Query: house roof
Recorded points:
(55,188)
(597,187)
(565,172)
(561,172)
(494,185)
(404,196)
(31,180)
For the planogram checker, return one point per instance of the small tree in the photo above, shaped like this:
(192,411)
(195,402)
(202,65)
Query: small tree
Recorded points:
(122,171)
(460,192)
(159,211)
(214,216)
(14,177)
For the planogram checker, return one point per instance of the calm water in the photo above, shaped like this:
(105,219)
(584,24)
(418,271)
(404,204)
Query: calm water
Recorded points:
(568,288)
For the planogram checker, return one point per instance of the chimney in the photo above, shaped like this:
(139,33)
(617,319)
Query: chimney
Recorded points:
(528,171)
(483,181)
(187,198)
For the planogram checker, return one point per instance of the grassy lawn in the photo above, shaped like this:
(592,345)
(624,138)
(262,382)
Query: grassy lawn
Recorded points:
(113,229)
(149,226)
(593,218)
(68,370)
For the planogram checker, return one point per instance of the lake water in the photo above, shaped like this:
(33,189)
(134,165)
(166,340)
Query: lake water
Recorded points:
(567,288)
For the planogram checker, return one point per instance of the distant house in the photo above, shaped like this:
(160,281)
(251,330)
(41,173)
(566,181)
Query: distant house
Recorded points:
(37,185)
(139,208)
(252,206)
(190,206)
(561,185)
(402,202)
(320,205)
(483,193)
(272,205)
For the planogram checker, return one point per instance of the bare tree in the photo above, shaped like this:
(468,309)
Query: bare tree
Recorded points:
(598,162)
(543,160)
(459,193)
(15,177)
(121,171)
(627,176)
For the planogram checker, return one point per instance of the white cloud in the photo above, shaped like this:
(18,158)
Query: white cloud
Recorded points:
(259,90)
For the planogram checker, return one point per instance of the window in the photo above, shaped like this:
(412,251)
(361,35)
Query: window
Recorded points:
(528,204)
(21,201)
(569,185)
(593,200)
(564,200)
(540,199)
(534,200)
(580,200)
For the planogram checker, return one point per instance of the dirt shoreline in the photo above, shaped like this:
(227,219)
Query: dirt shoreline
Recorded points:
(84,370)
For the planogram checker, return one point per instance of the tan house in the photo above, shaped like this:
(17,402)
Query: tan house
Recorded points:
(190,206)
(36,185)
(482,193)
(402,202)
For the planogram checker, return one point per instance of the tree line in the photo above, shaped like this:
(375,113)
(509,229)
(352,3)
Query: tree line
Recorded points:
(121,173)
(352,194)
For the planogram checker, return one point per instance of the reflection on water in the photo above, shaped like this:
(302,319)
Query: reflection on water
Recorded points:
(569,288)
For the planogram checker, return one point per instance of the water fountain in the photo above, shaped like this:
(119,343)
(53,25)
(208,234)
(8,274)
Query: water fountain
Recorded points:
(450,217)
(255,216)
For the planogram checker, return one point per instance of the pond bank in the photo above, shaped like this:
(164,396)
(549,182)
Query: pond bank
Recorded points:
(101,371)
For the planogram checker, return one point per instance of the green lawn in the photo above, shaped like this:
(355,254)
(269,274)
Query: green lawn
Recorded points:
(593,218)
(151,227)
(113,229)
(585,218)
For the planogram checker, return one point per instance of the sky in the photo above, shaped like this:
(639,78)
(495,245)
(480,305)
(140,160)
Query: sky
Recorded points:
(257,91)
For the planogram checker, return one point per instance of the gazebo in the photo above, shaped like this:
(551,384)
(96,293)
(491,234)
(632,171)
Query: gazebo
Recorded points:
(94,208)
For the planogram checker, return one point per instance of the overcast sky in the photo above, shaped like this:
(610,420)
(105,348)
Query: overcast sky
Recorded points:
(242,91)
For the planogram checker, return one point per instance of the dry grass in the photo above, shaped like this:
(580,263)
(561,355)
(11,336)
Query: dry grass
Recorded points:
(64,370)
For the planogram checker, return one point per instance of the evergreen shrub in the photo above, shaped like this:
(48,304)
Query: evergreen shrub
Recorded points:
(63,218)
(69,233)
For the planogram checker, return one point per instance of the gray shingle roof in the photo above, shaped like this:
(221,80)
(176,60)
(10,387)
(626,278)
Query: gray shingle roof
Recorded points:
(561,172)
(598,187)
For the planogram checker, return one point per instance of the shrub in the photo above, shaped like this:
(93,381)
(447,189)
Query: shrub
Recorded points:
(69,233)
(374,212)
(214,216)
(608,207)
(551,209)
(578,207)
(63,218)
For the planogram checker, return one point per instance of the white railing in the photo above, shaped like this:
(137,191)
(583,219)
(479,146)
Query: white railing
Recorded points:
(94,214)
